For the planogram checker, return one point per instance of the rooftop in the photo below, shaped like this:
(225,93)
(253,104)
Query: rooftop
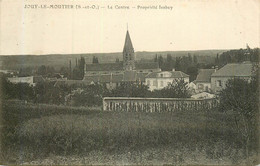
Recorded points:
(204,75)
(235,70)
(170,74)
(119,66)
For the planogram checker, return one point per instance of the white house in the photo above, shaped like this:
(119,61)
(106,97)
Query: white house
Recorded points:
(161,79)
(31,80)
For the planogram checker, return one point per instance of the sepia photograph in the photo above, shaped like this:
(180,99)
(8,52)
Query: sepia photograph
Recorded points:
(129,82)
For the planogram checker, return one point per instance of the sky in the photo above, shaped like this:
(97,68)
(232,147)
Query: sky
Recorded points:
(190,25)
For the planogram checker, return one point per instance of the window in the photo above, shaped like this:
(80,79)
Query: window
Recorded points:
(206,88)
(161,83)
(219,83)
(161,75)
(154,83)
(148,82)
(200,86)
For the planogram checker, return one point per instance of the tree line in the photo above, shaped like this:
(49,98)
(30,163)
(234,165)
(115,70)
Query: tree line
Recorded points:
(87,95)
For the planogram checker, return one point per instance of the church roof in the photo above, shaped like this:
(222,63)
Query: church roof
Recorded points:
(105,67)
(119,66)
(104,78)
(127,76)
(128,47)
(150,65)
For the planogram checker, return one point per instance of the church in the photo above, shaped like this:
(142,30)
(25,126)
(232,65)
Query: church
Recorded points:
(128,70)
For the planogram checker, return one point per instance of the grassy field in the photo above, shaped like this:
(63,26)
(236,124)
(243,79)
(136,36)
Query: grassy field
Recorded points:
(45,134)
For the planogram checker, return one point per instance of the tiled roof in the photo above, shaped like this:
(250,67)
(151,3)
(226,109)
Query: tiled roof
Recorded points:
(234,70)
(173,74)
(104,78)
(105,67)
(119,66)
(127,76)
(130,76)
(70,82)
(204,75)
(150,65)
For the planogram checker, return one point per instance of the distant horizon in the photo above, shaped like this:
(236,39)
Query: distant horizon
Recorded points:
(121,52)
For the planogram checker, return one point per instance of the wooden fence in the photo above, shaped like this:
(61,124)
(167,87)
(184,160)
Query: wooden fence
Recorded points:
(156,104)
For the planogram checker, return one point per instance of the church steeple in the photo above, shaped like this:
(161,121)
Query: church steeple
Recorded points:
(128,53)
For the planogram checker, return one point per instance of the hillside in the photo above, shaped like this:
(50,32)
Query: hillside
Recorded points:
(14,62)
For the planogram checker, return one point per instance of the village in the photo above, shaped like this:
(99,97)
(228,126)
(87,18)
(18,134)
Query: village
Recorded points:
(206,83)
(124,109)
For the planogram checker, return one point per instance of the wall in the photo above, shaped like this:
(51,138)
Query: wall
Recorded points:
(156,104)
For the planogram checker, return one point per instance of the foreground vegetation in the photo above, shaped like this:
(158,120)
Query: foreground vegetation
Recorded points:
(48,134)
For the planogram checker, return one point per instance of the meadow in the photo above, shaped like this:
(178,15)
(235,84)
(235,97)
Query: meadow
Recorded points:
(49,134)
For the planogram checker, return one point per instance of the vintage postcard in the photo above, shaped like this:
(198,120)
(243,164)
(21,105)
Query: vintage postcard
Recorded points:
(129,82)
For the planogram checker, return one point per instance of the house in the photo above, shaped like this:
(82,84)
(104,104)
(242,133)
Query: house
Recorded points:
(233,70)
(203,80)
(203,95)
(113,74)
(161,79)
(31,80)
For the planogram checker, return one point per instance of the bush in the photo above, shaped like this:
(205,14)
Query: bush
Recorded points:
(241,97)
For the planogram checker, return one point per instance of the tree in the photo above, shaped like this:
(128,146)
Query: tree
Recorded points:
(242,97)
(95,60)
(177,89)
(192,71)
(130,89)
(169,63)
(160,61)
(156,58)
(91,95)
(217,59)
(178,63)
(81,67)
(21,91)
(195,59)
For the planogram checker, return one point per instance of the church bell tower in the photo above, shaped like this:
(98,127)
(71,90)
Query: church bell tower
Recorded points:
(128,54)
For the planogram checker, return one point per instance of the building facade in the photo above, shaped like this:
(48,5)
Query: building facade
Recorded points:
(161,79)
(203,80)
(231,71)
(31,80)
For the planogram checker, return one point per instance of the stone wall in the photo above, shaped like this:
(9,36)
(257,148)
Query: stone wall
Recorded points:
(156,104)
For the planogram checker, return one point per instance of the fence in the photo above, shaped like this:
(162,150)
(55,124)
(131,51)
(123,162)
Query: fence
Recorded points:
(156,104)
